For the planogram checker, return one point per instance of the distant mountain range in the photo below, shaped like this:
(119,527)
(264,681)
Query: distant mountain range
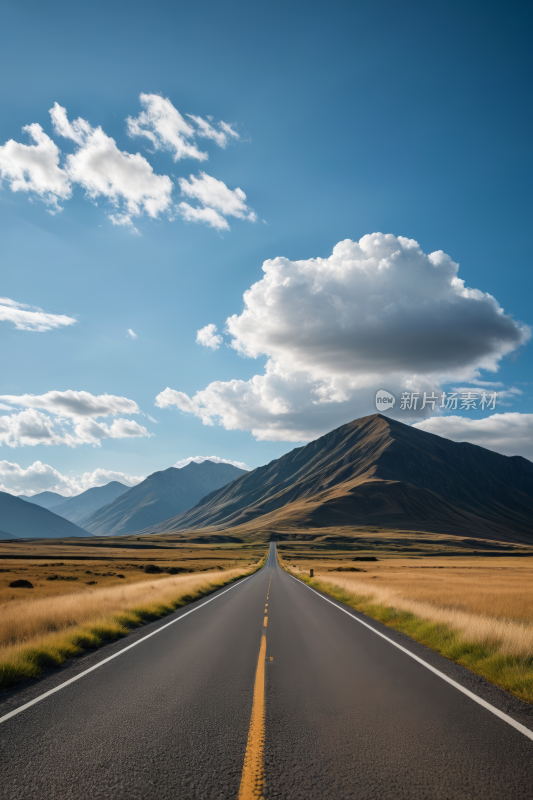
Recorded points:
(160,496)
(77,508)
(20,519)
(377,471)
(44,499)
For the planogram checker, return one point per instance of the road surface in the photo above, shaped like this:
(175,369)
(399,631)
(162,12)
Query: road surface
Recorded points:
(285,697)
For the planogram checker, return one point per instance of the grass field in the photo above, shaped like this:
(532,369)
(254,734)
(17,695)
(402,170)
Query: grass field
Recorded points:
(96,598)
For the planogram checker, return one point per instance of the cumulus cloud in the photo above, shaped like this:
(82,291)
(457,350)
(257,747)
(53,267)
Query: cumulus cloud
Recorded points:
(510,433)
(32,427)
(35,167)
(31,318)
(70,418)
(131,334)
(39,477)
(126,180)
(208,337)
(74,404)
(214,194)
(378,313)
(162,124)
(208,131)
(216,459)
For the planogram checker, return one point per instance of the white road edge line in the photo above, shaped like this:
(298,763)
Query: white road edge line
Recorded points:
(496,711)
(110,658)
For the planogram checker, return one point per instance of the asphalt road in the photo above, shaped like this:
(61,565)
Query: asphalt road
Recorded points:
(347,714)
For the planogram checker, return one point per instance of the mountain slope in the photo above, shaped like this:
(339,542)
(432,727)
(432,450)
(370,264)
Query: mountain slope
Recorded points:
(44,499)
(28,520)
(162,495)
(83,505)
(378,471)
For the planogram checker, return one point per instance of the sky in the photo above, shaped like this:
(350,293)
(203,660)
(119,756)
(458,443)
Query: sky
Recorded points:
(226,227)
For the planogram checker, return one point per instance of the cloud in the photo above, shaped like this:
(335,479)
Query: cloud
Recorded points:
(31,318)
(216,459)
(131,334)
(213,193)
(208,338)
(207,215)
(32,427)
(74,404)
(126,180)
(208,131)
(70,418)
(378,313)
(39,477)
(165,128)
(35,167)
(510,433)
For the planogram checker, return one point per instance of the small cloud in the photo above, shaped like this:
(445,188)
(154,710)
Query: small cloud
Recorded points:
(31,318)
(131,334)
(208,338)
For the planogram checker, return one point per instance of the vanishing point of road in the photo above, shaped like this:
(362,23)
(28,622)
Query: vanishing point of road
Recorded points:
(264,689)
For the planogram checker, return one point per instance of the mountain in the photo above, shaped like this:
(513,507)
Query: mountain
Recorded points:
(44,499)
(19,518)
(160,496)
(378,471)
(83,505)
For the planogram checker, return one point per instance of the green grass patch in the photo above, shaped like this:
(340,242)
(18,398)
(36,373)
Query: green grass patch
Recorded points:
(513,673)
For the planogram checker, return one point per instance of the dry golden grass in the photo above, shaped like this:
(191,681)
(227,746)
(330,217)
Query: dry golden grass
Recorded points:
(25,620)
(465,606)
(48,630)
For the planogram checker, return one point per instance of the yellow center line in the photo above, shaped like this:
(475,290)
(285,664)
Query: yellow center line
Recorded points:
(253,775)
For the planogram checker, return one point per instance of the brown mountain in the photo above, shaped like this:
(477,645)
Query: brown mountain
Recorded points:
(378,471)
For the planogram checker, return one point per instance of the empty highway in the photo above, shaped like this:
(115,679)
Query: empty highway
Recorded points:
(264,689)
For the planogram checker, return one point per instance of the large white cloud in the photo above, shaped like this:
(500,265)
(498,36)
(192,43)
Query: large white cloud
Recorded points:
(74,404)
(31,318)
(162,124)
(126,180)
(214,194)
(510,433)
(216,459)
(35,168)
(39,477)
(378,313)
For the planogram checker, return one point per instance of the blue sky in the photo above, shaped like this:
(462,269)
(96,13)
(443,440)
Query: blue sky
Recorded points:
(345,119)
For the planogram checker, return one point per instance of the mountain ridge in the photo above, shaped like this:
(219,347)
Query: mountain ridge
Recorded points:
(376,470)
(29,520)
(160,496)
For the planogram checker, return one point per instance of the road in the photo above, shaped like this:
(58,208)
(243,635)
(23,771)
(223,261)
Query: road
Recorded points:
(320,705)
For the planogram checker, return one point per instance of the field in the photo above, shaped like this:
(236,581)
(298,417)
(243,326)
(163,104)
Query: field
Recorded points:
(99,591)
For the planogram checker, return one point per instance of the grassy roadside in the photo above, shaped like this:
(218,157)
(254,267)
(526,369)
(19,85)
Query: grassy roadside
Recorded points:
(513,672)
(29,657)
